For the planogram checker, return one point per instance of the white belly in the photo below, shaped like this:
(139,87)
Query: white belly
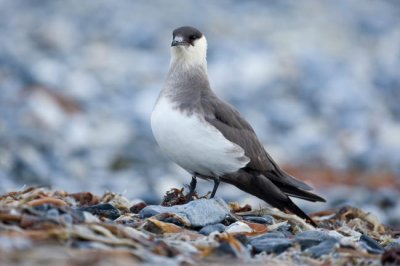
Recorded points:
(194,144)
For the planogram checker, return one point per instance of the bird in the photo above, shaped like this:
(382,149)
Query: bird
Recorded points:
(210,139)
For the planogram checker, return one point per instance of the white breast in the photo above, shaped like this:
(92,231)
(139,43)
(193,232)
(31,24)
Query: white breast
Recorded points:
(194,144)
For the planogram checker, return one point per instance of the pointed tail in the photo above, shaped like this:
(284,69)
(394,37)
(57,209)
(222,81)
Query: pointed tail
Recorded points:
(262,187)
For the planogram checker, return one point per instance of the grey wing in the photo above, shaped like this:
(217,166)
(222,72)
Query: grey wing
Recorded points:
(235,128)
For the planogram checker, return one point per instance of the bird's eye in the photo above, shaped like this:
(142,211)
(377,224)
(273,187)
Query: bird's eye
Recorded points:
(192,37)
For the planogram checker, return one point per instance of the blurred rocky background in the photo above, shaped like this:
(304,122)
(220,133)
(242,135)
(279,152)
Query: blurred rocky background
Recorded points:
(318,80)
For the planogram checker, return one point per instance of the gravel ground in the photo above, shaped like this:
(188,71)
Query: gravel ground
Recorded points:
(46,227)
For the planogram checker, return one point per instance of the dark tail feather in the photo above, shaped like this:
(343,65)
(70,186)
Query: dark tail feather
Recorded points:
(263,188)
(290,206)
(299,193)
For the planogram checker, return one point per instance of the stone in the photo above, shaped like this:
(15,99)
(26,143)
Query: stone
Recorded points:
(257,229)
(308,239)
(273,242)
(208,229)
(238,227)
(199,212)
(150,211)
(159,227)
(137,207)
(67,218)
(371,245)
(271,245)
(266,219)
(322,248)
(103,210)
(274,234)
(53,214)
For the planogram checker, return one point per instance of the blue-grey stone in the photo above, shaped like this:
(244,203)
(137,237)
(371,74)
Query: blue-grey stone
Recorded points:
(371,245)
(285,229)
(43,207)
(266,219)
(67,218)
(322,248)
(53,213)
(273,234)
(270,244)
(226,249)
(208,229)
(200,212)
(78,216)
(308,239)
(150,211)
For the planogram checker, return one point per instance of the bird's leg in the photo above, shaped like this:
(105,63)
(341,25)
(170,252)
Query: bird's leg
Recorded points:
(192,187)
(216,184)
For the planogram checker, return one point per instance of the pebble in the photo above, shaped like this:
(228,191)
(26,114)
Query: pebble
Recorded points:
(137,207)
(308,239)
(371,245)
(208,229)
(183,247)
(43,207)
(322,248)
(266,219)
(270,244)
(200,212)
(90,218)
(78,216)
(238,227)
(67,218)
(225,249)
(335,234)
(151,210)
(103,210)
(56,215)
(79,244)
(158,227)
(53,214)
(274,234)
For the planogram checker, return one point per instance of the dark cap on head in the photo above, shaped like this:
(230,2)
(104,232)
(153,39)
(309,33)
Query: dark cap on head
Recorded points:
(187,36)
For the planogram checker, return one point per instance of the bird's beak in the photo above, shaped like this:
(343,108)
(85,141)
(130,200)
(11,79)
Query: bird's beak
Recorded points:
(178,40)
(176,43)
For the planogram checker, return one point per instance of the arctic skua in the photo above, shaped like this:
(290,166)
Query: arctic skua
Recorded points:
(209,138)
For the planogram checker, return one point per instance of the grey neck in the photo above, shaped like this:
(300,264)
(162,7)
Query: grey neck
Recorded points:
(185,84)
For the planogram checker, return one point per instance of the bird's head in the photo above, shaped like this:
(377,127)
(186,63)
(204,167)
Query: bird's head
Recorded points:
(189,46)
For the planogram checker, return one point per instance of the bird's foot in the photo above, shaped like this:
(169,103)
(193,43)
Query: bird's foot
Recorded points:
(192,189)
(190,196)
(216,184)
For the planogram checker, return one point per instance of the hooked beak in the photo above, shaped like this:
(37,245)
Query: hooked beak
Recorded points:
(178,40)
(177,43)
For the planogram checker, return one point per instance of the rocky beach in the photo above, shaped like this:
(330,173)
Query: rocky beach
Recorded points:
(82,179)
(48,227)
